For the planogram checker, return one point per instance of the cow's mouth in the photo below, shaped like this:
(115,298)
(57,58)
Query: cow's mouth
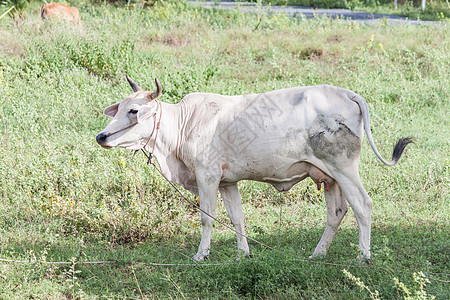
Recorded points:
(101,140)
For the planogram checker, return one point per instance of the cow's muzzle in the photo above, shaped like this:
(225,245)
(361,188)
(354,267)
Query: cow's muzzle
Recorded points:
(101,139)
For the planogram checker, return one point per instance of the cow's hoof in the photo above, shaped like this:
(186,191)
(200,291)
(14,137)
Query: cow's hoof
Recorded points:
(246,255)
(364,260)
(317,255)
(199,257)
(363,257)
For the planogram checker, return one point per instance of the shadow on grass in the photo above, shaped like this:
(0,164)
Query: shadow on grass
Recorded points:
(279,273)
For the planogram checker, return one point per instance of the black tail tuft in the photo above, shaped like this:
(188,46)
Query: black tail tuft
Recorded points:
(400,146)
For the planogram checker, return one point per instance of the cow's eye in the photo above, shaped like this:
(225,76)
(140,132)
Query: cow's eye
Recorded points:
(133,111)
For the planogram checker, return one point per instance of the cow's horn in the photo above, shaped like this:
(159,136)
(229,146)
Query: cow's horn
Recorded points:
(158,91)
(134,85)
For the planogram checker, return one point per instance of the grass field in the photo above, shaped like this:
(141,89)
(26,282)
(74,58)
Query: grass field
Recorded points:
(65,199)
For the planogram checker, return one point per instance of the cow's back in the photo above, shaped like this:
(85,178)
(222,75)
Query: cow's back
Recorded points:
(284,108)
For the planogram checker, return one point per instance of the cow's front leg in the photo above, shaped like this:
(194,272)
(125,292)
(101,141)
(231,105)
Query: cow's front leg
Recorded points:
(208,185)
(232,201)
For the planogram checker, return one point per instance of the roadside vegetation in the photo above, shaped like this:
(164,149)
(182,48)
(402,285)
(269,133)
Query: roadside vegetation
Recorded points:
(65,199)
(436,10)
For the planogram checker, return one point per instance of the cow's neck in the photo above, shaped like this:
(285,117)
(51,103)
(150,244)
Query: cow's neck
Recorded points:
(168,138)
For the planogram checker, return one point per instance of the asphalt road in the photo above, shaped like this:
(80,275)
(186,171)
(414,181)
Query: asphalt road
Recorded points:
(308,12)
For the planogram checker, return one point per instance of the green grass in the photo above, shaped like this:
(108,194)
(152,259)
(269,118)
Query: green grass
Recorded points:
(64,198)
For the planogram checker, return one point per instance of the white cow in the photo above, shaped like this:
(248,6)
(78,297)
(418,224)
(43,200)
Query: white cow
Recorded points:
(209,142)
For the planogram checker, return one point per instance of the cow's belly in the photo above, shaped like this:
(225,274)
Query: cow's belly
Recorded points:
(285,178)
(282,174)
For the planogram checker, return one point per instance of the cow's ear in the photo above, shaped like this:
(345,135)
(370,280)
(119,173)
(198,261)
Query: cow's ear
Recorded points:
(145,112)
(111,111)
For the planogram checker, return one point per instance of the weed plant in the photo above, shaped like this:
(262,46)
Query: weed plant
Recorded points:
(63,198)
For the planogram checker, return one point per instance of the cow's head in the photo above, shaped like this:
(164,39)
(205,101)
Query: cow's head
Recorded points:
(132,119)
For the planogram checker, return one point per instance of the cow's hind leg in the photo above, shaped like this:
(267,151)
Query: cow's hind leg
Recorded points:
(232,201)
(360,202)
(336,209)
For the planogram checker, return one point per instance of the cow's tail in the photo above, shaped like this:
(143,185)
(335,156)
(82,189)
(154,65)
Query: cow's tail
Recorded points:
(399,146)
